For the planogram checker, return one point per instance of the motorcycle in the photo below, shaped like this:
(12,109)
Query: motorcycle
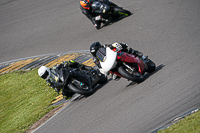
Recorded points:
(83,82)
(108,11)
(124,65)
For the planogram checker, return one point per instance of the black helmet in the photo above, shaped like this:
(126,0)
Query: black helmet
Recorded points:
(94,47)
(96,5)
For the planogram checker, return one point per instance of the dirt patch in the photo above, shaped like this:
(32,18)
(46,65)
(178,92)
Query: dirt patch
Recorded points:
(45,118)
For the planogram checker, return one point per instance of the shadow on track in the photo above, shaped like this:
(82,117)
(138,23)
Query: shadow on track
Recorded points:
(96,88)
(110,22)
(146,76)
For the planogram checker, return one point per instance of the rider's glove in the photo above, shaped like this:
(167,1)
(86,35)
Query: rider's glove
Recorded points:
(137,53)
(117,46)
(125,46)
(124,43)
(140,54)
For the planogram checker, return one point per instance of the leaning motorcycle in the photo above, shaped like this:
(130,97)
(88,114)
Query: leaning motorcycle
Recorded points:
(124,65)
(108,11)
(83,82)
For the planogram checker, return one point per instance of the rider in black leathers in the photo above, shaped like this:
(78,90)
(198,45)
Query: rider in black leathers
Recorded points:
(123,47)
(85,6)
(53,78)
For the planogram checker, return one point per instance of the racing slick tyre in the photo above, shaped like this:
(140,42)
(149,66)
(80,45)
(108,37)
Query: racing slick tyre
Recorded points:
(80,89)
(126,74)
(151,66)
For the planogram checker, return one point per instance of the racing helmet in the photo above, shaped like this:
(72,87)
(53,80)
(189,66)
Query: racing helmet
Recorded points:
(96,5)
(94,47)
(85,4)
(44,72)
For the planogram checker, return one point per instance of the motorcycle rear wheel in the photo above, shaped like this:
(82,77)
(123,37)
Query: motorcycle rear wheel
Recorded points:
(74,88)
(126,74)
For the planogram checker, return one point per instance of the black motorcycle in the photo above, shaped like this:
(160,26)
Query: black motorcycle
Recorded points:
(83,81)
(109,11)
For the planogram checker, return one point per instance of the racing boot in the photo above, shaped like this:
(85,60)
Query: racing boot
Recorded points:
(115,77)
(96,22)
(68,95)
(97,25)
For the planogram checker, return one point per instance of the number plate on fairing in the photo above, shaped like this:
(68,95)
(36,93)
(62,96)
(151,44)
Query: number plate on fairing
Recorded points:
(101,54)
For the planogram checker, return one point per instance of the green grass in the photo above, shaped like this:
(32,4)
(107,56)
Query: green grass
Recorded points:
(25,98)
(190,124)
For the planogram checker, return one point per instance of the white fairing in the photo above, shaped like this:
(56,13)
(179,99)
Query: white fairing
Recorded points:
(110,61)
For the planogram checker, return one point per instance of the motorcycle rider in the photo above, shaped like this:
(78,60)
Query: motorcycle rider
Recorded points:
(123,47)
(85,6)
(51,75)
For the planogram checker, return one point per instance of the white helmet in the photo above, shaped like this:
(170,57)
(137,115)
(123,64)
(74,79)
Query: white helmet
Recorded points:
(44,72)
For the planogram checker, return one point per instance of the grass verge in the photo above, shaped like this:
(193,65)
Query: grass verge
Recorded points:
(190,124)
(25,98)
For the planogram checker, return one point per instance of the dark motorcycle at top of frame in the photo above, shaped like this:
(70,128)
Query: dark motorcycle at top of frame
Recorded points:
(108,11)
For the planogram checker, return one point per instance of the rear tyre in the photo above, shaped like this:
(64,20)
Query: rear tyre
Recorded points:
(126,74)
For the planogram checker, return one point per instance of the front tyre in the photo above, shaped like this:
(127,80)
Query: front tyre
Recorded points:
(125,72)
(84,90)
(151,66)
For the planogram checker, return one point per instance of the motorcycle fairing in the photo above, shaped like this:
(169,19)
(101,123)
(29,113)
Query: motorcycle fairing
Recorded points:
(129,58)
(101,54)
(110,61)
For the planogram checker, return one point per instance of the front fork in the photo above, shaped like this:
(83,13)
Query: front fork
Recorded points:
(132,69)
(145,60)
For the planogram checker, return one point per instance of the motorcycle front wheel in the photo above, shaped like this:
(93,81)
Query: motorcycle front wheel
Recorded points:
(80,89)
(151,66)
(126,73)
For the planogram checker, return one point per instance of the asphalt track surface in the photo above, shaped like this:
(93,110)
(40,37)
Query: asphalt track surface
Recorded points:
(166,30)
